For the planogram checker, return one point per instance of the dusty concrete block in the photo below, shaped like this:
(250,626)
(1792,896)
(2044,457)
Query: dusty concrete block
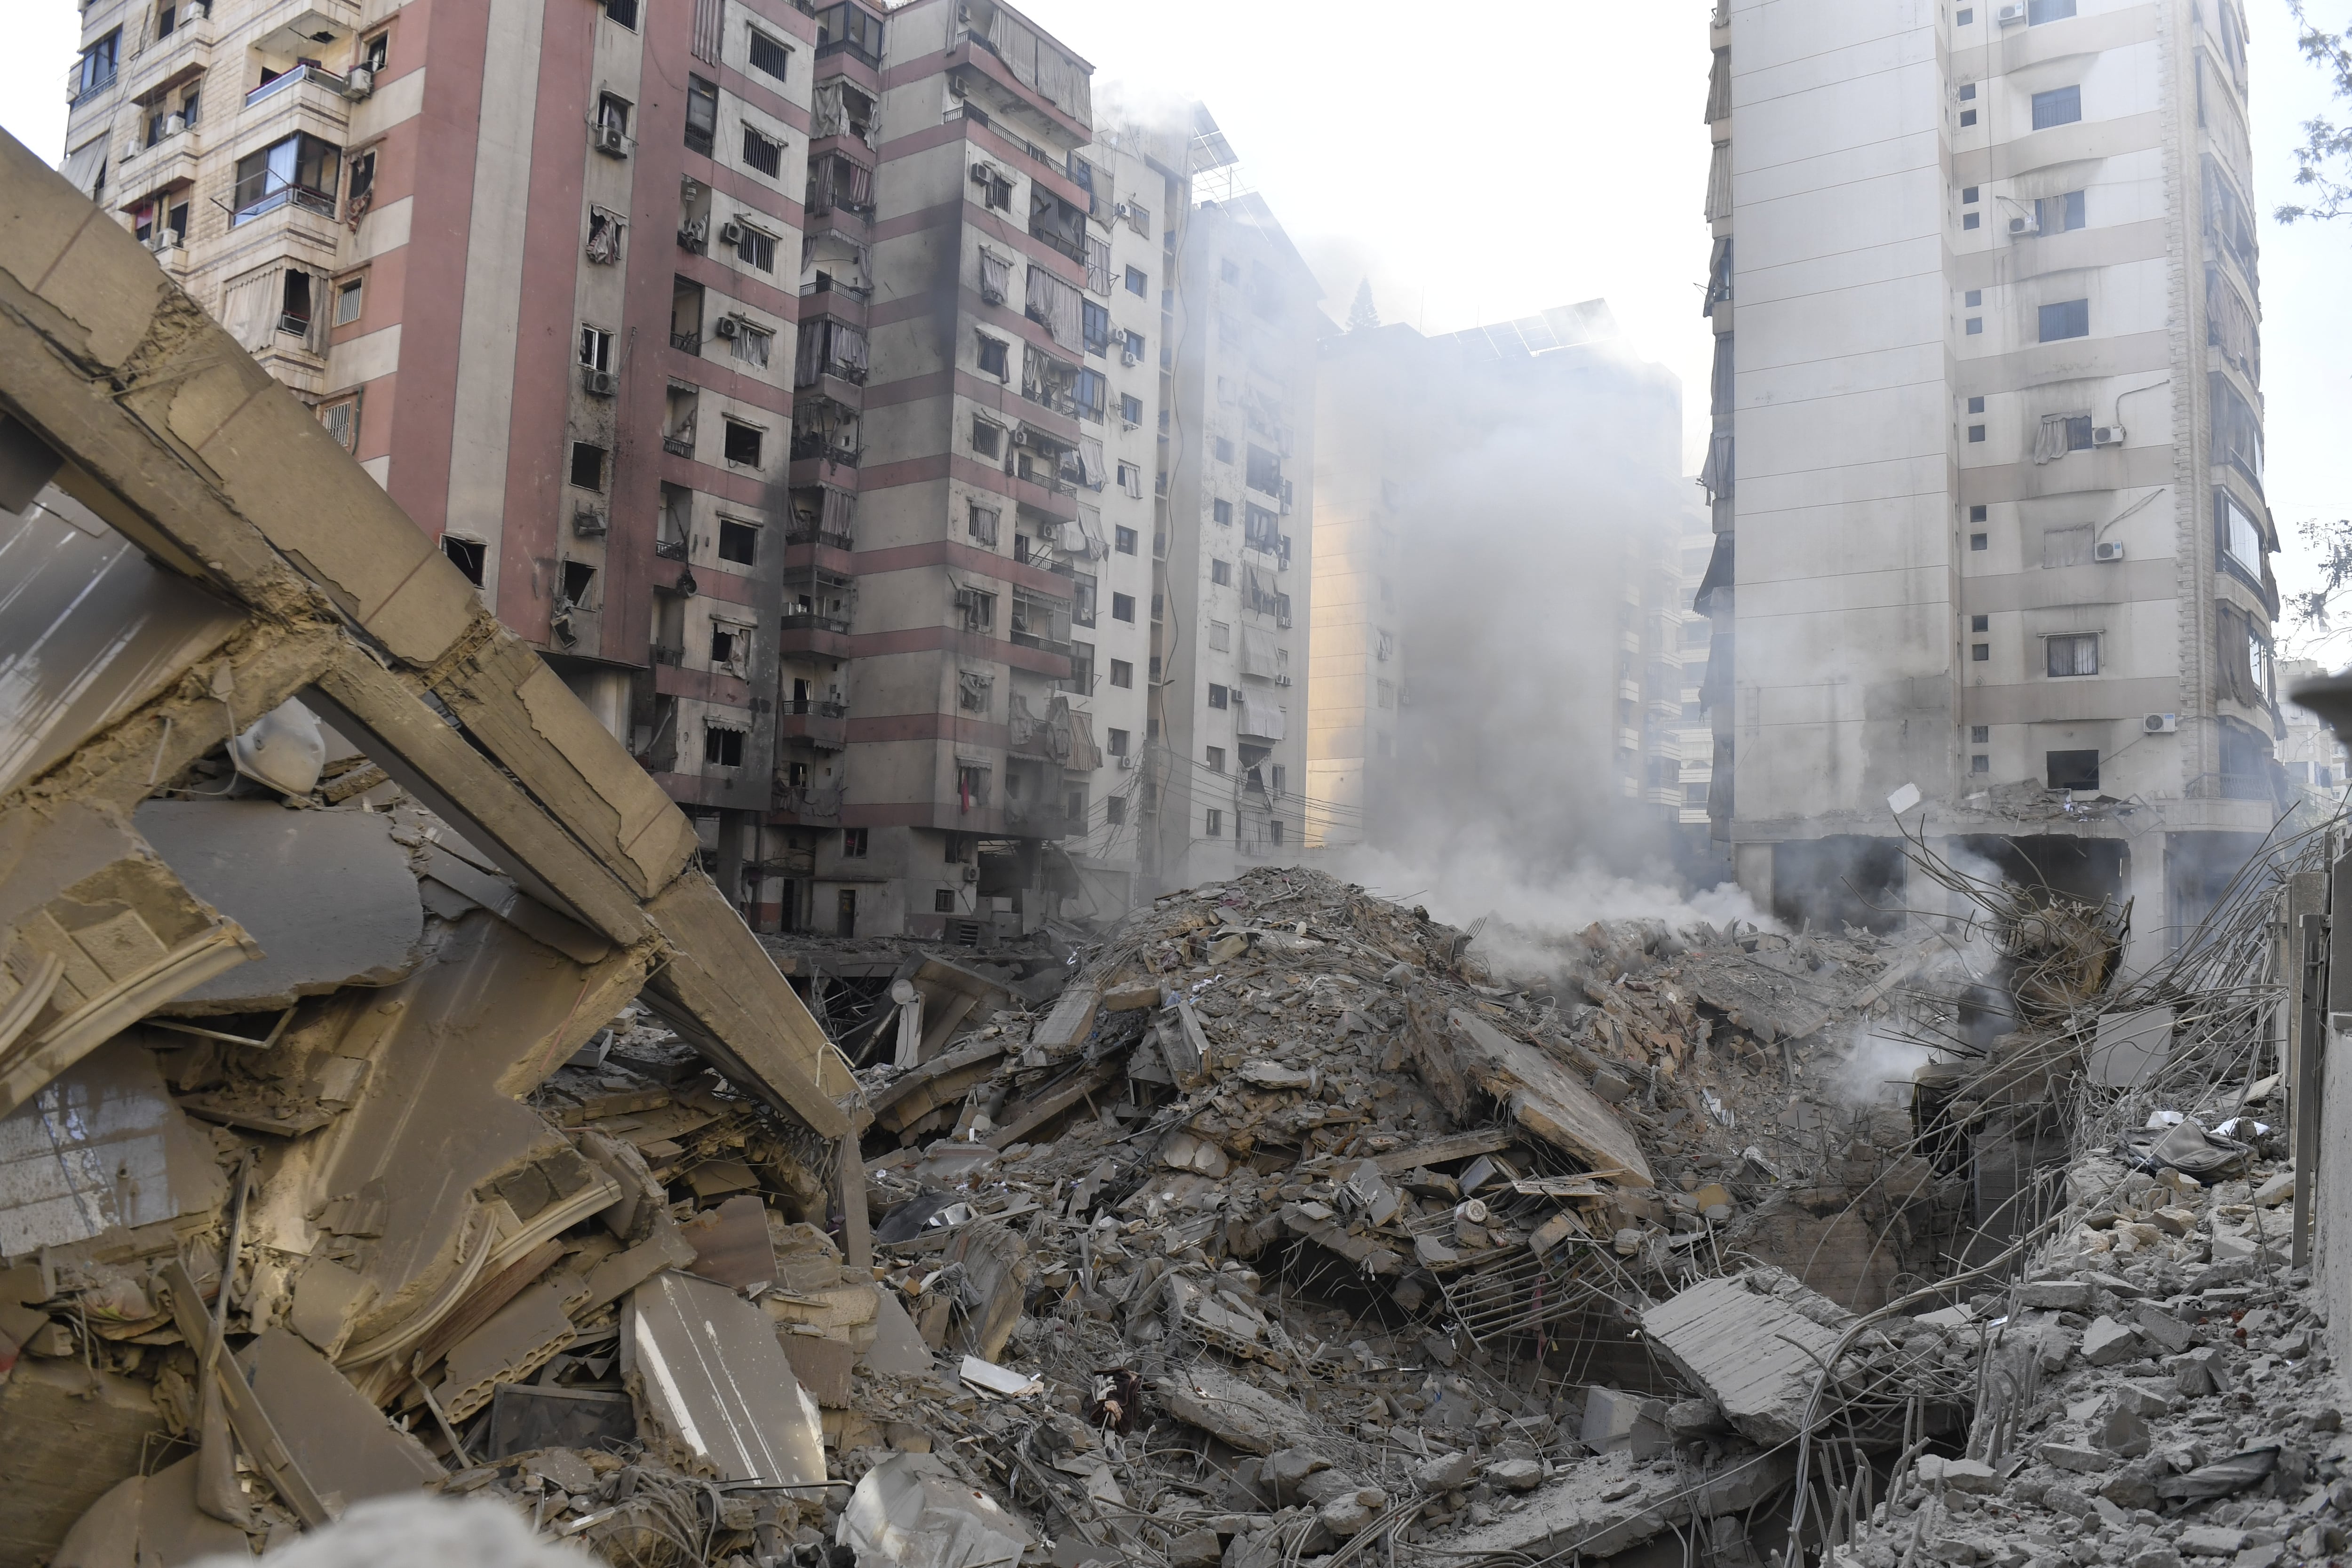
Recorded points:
(2162,1328)
(1958,1474)
(2211,1541)
(1516,1475)
(1344,1517)
(1689,1418)
(2157,1557)
(2229,1247)
(2052,1347)
(2055,1295)
(1195,1549)
(2275,1191)
(1445,1473)
(2198,1373)
(1287,1466)
(2123,1432)
(2131,1487)
(1614,1420)
(2107,1341)
(2076,1457)
(2141,1400)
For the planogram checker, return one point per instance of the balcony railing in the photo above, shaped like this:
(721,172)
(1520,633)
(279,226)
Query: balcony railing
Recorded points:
(670,549)
(1076,250)
(678,446)
(803,801)
(687,342)
(319,74)
(665,653)
(818,535)
(796,619)
(818,445)
(812,708)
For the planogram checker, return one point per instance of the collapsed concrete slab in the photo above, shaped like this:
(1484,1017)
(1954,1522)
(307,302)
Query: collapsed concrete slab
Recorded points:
(1755,1355)
(1603,1506)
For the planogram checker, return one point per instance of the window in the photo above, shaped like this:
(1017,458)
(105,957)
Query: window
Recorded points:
(2066,318)
(701,114)
(623,13)
(596,348)
(743,444)
(1123,540)
(587,466)
(987,440)
(1971,220)
(1130,409)
(993,357)
(943,899)
(1979,652)
(1385,693)
(1264,471)
(1975,326)
(1213,821)
(341,418)
(1976,515)
(979,609)
(2040,10)
(1281,781)
(757,249)
(1122,608)
(1979,763)
(1094,325)
(300,169)
(1122,673)
(1224,450)
(1980,541)
(1979,622)
(578,578)
(2074,654)
(375,54)
(995,190)
(728,642)
(468,555)
(1115,742)
(721,748)
(2073,769)
(1221,641)
(1960,18)
(1216,758)
(979,523)
(760,154)
(350,295)
(1221,512)
(1976,406)
(1980,733)
(1976,433)
(97,63)
(1088,389)
(1967,118)
(770,56)
(2059,106)
(612,113)
(1274,831)
(739,541)
(1115,810)
(2055,214)
(853,843)
(1967,92)
(1217,696)
(1130,480)
(2241,538)
(751,345)
(1138,284)
(1967,195)
(1221,572)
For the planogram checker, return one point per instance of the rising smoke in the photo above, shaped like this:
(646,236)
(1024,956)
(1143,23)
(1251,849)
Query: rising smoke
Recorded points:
(1542,514)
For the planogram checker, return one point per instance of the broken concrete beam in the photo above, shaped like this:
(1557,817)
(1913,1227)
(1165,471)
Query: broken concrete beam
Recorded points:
(1066,1028)
(1755,1355)
(1239,1413)
(1544,1098)
(1600,1508)
(2055,1295)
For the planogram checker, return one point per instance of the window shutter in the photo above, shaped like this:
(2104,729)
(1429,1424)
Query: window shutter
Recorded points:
(707,25)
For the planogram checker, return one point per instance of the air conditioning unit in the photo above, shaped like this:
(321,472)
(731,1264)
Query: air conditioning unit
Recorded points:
(175,125)
(598,383)
(2021,227)
(2109,551)
(1282,680)
(359,83)
(730,233)
(589,523)
(971,873)
(2161,723)
(726,326)
(611,139)
(1127,761)
(2106,435)
(959,87)
(2009,15)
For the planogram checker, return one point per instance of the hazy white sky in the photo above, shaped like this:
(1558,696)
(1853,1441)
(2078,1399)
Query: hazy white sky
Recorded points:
(1485,163)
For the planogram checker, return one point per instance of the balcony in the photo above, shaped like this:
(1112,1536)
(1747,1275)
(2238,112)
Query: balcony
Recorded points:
(819,535)
(687,342)
(681,446)
(806,804)
(669,654)
(670,549)
(796,619)
(824,725)
(300,74)
(814,447)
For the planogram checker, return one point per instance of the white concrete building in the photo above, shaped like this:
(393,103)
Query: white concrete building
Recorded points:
(1987,379)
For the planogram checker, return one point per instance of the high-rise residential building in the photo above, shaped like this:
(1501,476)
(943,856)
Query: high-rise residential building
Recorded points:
(1499,592)
(798,378)
(1991,273)
(537,268)
(1231,595)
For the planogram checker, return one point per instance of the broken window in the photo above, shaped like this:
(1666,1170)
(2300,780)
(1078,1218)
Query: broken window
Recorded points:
(1122,672)
(974,689)
(603,236)
(750,344)
(2237,439)
(979,522)
(978,608)
(2240,536)
(987,438)
(755,247)
(2055,214)
(994,356)
(341,418)
(469,555)
(722,747)
(1265,470)
(2074,653)
(295,316)
(730,645)
(579,577)
(1215,758)
(587,466)
(1130,480)
(743,443)
(2061,433)
(1213,821)
(739,541)
(1122,608)
(596,348)
(2072,770)
(1098,265)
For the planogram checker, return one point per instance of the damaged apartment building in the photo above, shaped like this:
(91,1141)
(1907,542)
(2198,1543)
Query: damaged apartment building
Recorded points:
(893,667)
(1491,507)
(1995,525)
